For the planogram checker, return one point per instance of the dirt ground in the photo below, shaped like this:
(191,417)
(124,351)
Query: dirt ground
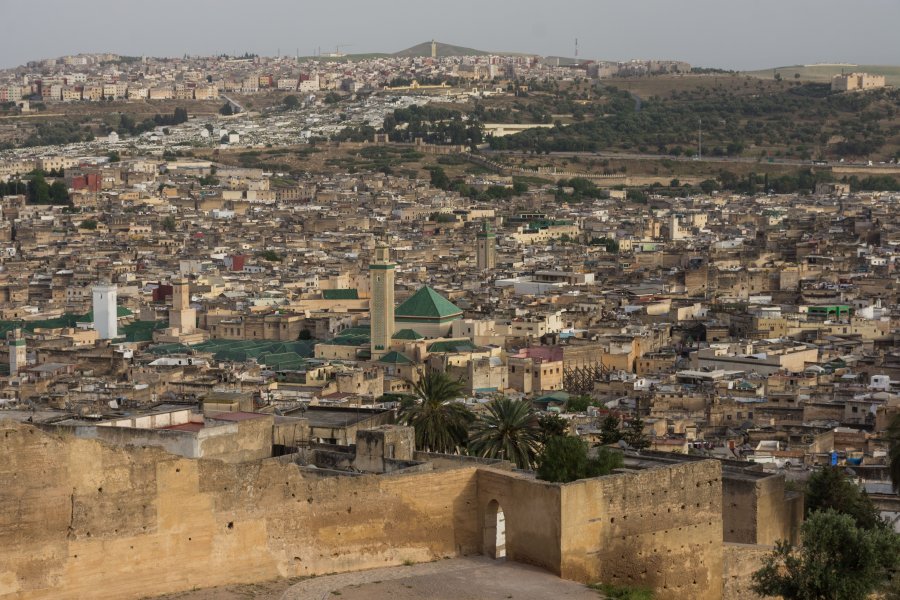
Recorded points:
(473,578)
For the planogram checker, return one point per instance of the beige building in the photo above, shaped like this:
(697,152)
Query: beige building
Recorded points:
(852,82)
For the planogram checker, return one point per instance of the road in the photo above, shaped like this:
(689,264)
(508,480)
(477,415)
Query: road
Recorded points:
(716,159)
(233,103)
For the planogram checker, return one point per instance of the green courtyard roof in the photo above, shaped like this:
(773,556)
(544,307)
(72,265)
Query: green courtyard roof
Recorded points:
(452,346)
(342,294)
(408,334)
(394,358)
(427,304)
(273,354)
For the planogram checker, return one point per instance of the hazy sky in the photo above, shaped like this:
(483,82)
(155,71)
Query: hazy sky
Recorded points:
(740,34)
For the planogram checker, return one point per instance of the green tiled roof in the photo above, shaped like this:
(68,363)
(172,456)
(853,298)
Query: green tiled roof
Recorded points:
(355,336)
(142,331)
(394,358)
(121,312)
(452,346)
(270,353)
(408,334)
(427,304)
(63,321)
(560,396)
(343,294)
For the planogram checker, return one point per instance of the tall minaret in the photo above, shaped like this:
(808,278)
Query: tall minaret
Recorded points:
(182,316)
(381,304)
(17,351)
(433,49)
(486,248)
(105,312)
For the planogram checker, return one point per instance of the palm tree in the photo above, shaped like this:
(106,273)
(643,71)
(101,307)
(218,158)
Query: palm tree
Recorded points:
(893,436)
(508,430)
(441,424)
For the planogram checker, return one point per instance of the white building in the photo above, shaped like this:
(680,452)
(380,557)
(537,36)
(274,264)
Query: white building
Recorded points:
(105,313)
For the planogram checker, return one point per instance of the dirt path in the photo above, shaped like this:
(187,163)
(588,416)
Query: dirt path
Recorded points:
(472,578)
(475,578)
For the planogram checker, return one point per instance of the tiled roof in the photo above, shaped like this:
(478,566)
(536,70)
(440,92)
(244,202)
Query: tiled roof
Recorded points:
(427,304)
(394,358)
(408,334)
(452,346)
(342,294)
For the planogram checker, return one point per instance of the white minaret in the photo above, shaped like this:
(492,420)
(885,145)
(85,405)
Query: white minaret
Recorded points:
(17,351)
(381,304)
(105,315)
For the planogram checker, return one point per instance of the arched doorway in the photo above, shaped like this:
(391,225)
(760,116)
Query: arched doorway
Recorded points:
(494,531)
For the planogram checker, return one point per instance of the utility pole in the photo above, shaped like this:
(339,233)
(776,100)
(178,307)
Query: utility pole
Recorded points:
(700,140)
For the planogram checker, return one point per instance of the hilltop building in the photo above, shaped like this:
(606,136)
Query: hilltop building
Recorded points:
(853,82)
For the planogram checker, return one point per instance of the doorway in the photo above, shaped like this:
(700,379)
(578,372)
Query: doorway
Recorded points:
(494,531)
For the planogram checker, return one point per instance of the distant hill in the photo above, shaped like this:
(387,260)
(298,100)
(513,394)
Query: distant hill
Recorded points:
(824,73)
(444,50)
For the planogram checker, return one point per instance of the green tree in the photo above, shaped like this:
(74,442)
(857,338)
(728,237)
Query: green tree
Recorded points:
(168,224)
(609,430)
(709,186)
(634,434)
(638,196)
(552,425)
(59,193)
(441,424)
(836,561)
(566,459)
(38,190)
(439,178)
(893,436)
(269,255)
(113,156)
(508,430)
(226,109)
(829,488)
(88,224)
(291,102)
(578,403)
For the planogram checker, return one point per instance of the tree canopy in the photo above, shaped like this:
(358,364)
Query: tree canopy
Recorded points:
(565,459)
(836,561)
(440,423)
(829,488)
(508,430)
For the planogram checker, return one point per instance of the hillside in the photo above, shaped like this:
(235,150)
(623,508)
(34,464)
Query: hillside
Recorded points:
(824,73)
(443,50)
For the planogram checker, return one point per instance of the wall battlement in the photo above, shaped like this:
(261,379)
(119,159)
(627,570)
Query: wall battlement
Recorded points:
(81,518)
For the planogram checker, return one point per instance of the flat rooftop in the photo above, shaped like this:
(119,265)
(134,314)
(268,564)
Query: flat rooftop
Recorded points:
(324,416)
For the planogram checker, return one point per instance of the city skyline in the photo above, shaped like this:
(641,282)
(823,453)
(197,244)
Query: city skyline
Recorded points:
(701,32)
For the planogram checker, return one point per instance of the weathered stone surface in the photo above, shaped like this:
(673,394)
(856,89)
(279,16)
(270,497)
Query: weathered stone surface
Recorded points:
(80,518)
(659,528)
